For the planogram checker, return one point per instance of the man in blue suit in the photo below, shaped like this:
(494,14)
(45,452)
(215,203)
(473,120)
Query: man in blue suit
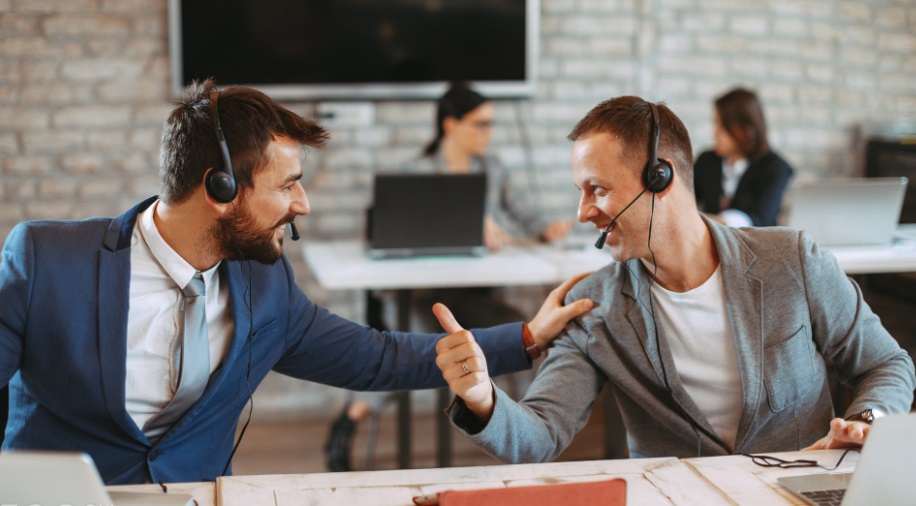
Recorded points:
(91,322)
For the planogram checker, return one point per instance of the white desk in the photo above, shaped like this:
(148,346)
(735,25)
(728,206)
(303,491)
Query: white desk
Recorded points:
(707,481)
(712,481)
(649,482)
(342,265)
(898,257)
(748,484)
(202,492)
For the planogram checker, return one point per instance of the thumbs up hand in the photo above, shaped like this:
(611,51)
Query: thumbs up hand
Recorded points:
(463,365)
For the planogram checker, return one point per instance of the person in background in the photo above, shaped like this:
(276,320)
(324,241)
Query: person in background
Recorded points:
(464,128)
(714,340)
(139,339)
(741,183)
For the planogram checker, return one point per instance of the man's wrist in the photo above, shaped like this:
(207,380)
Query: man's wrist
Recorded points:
(483,411)
(868,416)
(532,349)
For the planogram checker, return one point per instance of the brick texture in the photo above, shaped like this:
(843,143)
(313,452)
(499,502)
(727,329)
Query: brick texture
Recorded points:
(84,92)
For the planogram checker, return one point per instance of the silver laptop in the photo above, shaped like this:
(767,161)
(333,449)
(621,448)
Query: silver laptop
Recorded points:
(56,478)
(427,214)
(883,475)
(848,212)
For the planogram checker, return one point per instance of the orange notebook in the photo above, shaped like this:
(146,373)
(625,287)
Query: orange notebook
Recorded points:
(607,493)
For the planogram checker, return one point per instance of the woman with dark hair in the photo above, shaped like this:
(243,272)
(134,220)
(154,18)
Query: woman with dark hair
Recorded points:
(464,126)
(742,181)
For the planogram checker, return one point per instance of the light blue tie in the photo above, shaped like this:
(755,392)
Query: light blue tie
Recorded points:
(194,361)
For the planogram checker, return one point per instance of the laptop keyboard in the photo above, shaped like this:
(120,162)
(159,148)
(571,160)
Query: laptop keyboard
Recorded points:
(825,497)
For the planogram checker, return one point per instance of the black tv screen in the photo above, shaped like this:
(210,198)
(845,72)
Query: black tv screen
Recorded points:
(339,49)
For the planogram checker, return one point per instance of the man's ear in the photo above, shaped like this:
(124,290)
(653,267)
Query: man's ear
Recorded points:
(449,124)
(218,207)
(674,178)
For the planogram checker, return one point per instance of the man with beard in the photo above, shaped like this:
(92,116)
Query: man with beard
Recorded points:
(139,339)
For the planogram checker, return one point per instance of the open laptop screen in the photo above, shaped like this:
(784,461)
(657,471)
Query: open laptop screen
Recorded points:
(427,214)
(848,212)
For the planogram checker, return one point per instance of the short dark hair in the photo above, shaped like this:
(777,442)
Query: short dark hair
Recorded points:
(741,114)
(250,121)
(629,120)
(459,100)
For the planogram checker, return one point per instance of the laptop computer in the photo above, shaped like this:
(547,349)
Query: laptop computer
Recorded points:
(883,475)
(849,212)
(55,478)
(427,214)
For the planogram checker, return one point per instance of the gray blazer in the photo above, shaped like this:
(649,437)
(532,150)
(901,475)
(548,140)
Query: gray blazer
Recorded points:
(792,311)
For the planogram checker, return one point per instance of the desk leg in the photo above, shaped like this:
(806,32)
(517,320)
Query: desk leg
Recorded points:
(404,420)
(615,434)
(403,429)
(443,430)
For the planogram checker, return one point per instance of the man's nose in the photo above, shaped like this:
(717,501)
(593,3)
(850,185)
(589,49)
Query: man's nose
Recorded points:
(586,210)
(301,204)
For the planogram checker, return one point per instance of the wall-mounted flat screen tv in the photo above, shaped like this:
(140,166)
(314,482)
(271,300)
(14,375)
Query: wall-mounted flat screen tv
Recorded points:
(356,49)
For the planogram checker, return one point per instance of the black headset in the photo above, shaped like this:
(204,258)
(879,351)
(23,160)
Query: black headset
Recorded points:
(220,182)
(658,174)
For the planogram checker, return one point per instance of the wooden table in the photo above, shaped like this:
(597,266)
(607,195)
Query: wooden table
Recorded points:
(202,492)
(746,483)
(649,482)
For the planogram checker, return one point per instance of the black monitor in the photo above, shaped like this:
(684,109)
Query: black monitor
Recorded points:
(895,158)
(356,49)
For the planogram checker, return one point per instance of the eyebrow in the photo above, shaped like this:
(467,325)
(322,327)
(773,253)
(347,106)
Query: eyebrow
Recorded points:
(292,177)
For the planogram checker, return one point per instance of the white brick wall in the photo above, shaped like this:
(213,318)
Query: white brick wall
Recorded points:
(84,91)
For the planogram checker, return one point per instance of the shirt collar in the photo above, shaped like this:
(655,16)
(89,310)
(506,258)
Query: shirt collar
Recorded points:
(735,169)
(171,262)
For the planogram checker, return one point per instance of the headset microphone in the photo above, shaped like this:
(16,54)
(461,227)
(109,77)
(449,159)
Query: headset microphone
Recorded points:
(603,237)
(293,233)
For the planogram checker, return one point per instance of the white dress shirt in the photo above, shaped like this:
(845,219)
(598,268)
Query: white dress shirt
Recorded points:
(157,274)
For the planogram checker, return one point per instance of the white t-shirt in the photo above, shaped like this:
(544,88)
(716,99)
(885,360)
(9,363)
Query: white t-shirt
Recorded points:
(154,320)
(697,328)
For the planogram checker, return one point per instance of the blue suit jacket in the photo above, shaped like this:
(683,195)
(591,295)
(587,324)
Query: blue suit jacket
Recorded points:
(63,324)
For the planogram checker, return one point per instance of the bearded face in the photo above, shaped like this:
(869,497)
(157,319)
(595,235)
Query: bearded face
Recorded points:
(239,237)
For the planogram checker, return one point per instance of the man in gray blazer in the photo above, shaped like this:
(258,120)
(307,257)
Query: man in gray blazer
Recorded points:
(713,340)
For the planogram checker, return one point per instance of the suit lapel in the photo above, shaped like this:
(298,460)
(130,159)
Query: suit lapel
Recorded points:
(744,302)
(657,352)
(114,297)
(743,296)
(640,317)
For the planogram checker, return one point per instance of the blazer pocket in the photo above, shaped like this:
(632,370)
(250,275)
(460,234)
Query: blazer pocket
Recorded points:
(266,329)
(788,369)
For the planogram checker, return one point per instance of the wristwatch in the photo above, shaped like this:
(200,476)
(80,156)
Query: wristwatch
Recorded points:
(868,416)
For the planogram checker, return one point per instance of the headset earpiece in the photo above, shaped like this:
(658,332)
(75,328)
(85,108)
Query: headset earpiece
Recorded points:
(220,182)
(658,173)
(659,177)
(220,186)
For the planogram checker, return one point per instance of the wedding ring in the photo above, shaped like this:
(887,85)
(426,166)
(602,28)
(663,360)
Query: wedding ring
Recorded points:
(465,368)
